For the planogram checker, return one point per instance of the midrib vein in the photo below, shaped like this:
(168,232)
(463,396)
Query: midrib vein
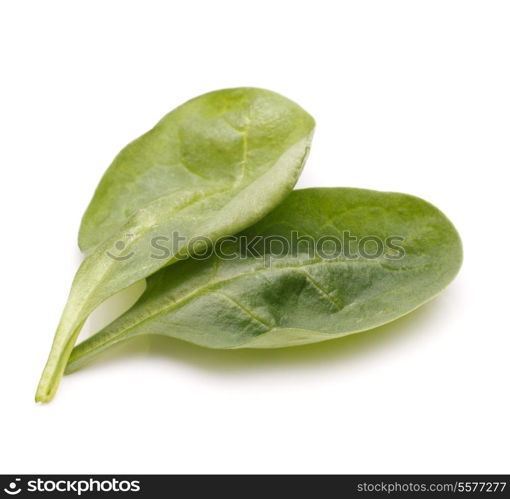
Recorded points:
(111,263)
(201,290)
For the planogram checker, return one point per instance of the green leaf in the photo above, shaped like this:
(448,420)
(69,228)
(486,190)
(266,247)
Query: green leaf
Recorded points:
(388,253)
(211,167)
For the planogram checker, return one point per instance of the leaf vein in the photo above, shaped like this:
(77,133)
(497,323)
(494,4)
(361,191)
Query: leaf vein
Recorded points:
(323,292)
(245,309)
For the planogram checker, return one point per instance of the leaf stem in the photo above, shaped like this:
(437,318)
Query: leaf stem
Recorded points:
(63,343)
(92,346)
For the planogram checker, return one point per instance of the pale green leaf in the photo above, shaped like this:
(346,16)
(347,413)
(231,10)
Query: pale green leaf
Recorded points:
(212,167)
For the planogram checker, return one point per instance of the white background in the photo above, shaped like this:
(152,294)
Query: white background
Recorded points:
(410,96)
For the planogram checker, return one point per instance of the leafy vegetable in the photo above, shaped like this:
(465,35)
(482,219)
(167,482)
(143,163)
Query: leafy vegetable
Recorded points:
(211,167)
(300,295)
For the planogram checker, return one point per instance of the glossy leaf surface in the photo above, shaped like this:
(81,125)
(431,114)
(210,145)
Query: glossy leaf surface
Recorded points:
(309,292)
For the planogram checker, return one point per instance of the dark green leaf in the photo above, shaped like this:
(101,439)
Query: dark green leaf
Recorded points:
(311,292)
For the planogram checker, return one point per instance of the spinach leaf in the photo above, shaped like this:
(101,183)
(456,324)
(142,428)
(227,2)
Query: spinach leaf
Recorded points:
(211,167)
(345,261)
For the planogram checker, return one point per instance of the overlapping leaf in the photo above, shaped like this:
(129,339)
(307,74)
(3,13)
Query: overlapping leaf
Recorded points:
(212,167)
